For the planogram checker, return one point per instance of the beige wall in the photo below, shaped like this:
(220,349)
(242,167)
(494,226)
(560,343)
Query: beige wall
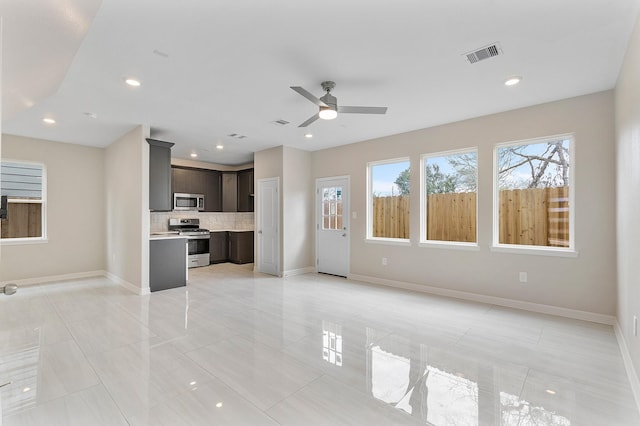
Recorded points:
(269,164)
(75,212)
(585,283)
(627,108)
(127,209)
(297,210)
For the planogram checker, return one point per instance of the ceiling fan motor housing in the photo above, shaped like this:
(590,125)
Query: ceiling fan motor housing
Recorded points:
(330,100)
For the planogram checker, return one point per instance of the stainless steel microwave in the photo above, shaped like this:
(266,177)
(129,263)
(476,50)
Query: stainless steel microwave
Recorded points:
(188,202)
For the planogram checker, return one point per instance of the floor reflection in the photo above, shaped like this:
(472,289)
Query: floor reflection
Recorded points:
(332,343)
(441,388)
(19,365)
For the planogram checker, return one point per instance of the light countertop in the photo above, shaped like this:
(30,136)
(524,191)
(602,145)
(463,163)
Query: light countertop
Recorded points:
(165,236)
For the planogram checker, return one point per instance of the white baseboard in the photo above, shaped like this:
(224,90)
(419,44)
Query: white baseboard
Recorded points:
(54,278)
(301,271)
(126,284)
(626,356)
(492,300)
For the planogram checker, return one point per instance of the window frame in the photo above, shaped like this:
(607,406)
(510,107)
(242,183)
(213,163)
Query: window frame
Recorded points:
(369,235)
(43,203)
(532,249)
(424,242)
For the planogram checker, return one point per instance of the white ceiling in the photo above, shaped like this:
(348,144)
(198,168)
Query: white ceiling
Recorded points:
(225,66)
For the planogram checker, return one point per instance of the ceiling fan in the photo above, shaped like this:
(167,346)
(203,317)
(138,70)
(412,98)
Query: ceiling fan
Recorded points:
(328,105)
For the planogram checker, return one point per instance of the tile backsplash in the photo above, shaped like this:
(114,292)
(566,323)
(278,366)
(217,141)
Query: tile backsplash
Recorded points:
(210,221)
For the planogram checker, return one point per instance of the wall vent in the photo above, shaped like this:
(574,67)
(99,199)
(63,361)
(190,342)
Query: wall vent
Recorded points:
(484,53)
(280,122)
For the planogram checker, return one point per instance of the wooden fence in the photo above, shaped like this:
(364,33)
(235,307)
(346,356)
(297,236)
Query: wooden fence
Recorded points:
(535,216)
(452,217)
(391,216)
(23,220)
(527,216)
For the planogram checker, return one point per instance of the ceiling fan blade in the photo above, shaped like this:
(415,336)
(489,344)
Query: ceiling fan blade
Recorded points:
(362,110)
(310,120)
(308,95)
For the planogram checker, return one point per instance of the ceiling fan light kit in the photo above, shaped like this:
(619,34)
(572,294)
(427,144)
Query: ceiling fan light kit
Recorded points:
(328,105)
(327,113)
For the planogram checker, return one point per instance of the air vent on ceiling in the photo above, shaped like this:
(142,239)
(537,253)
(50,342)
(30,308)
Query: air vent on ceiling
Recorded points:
(484,53)
(236,136)
(280,122)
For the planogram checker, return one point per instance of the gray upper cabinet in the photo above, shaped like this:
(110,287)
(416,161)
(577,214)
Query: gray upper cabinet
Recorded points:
(229,191)
(160,175)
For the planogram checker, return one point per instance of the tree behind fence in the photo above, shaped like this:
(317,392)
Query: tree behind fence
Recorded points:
(538,216)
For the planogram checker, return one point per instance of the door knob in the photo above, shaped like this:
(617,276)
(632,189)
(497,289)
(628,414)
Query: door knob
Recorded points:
(344,235)
(259,232)
(9,289)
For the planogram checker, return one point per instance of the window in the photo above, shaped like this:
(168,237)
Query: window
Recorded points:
(449,201)
(388,199)
(23,185)
(534,189)
(332,208)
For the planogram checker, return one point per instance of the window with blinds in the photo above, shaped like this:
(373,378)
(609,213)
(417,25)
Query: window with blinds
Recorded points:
(23,186)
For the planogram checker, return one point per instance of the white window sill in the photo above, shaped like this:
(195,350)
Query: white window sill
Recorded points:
(389,241)
(539,251)
(22,241)
(450,245)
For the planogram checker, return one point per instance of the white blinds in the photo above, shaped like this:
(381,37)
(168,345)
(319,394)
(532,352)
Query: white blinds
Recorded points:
(21,180)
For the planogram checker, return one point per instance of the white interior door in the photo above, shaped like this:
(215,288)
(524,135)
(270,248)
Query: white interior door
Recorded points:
(332,228)
(268,211)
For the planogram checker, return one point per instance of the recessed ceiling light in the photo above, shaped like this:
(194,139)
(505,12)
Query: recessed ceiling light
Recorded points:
(49,120)
(550,392)
(194,155)
(512,81)
(308,136)
(219,404)
(132,82)
(220,146)
(27,389)
(193,383)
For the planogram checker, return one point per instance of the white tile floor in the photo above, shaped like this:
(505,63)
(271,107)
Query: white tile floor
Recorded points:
(242,349)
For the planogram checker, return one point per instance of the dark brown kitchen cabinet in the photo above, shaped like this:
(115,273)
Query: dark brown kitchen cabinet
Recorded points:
(229,191)
(218,247)
(160,198)
(212,191)
(245,190)
(199,181)
(180,180)
(241,247)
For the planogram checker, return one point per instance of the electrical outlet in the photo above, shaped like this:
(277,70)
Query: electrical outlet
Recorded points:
(635,326)
(523,277)
(385,261)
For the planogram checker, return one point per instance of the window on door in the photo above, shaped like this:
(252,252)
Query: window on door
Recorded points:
(332,208)
(388,200)
(22,186)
